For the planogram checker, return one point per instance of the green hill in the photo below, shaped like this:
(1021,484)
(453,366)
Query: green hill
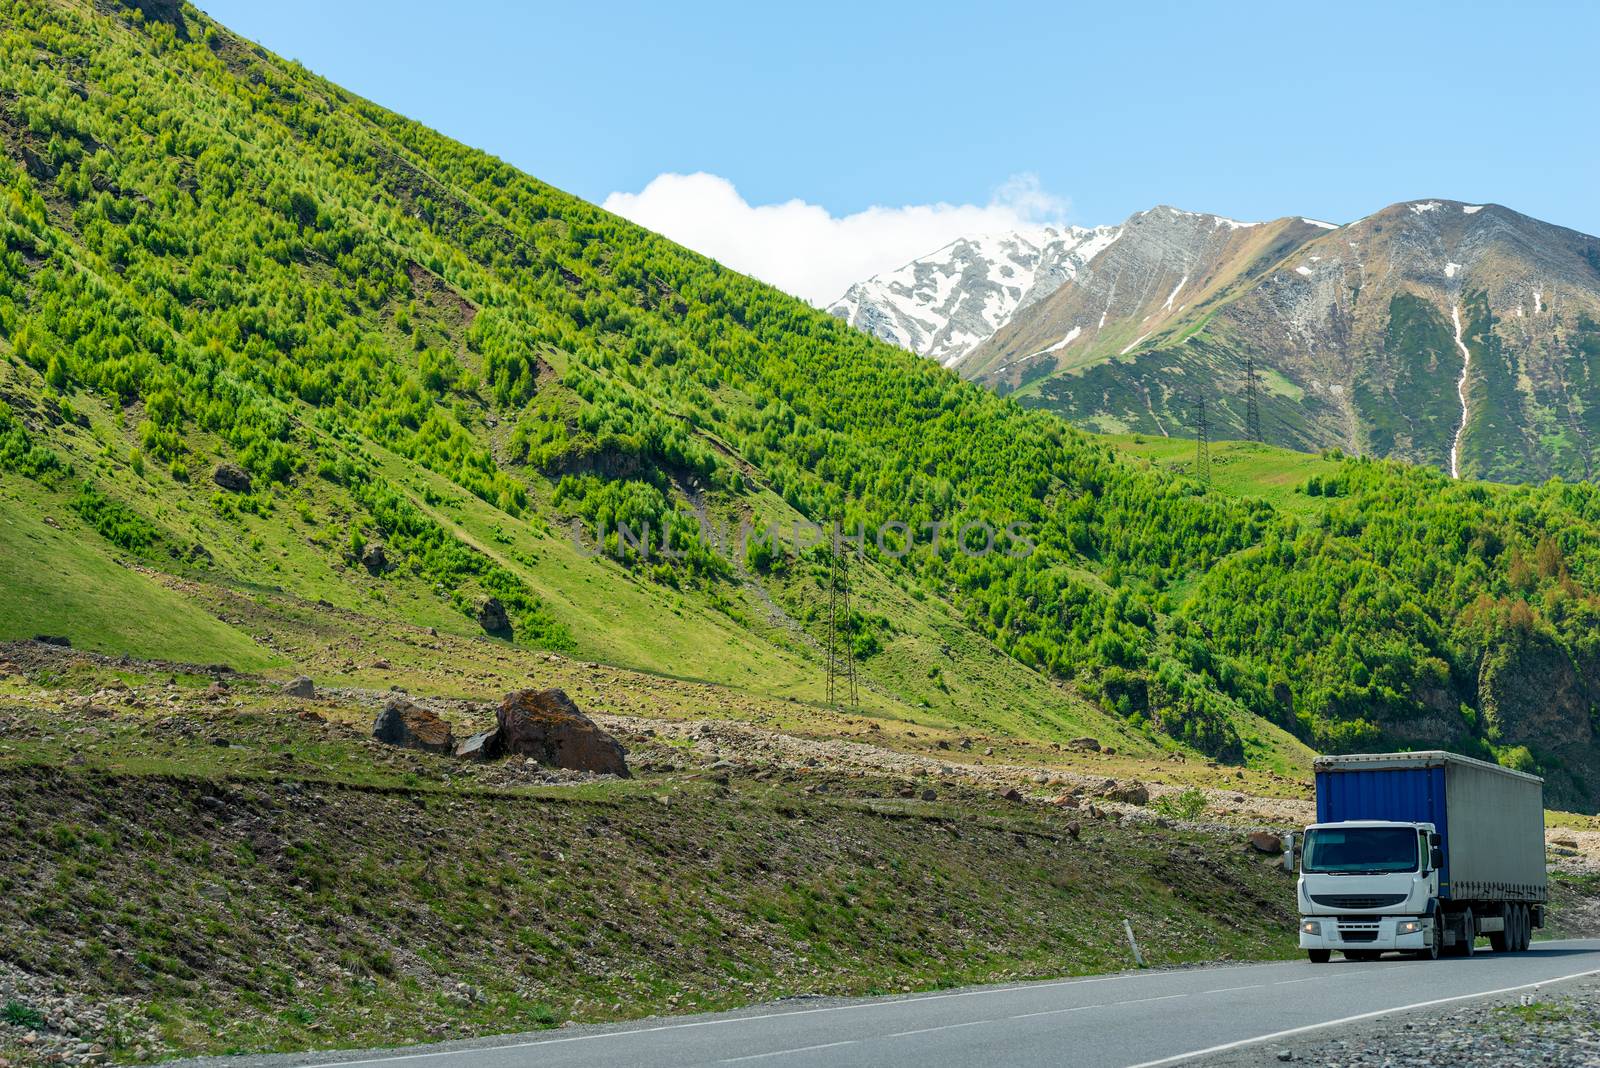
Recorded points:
(212,257)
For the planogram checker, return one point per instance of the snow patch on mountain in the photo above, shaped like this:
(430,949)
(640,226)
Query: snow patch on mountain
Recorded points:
(943,304)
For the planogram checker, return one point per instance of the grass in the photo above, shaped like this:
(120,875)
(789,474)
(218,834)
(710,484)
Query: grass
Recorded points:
(60,580)
(1244,468)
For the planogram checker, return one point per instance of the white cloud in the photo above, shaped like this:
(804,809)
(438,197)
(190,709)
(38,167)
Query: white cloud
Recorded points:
(805,250)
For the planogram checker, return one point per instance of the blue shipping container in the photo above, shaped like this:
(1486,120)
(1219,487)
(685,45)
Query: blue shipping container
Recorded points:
(1404,795)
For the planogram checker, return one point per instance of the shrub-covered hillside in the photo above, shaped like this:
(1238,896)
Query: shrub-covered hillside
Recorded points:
(213,256)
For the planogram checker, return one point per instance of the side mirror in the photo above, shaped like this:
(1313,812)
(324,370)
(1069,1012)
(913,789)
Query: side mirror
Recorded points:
(1288,852)
(1435,858)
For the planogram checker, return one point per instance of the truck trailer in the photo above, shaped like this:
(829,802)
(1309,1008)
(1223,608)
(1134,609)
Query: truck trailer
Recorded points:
(1420,853)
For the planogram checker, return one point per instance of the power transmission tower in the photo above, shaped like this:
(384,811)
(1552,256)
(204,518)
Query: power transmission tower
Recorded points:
(1202,443)
(841,653)
(1252,413)
(849,626)
(833,621)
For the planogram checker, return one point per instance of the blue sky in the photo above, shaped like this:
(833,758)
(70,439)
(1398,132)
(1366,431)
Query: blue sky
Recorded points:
(1247,110)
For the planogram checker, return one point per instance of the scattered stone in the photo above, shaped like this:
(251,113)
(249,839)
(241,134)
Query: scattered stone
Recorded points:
(548,726)
(1129,793)
(1091,745)
(930,795)
(406,724)
(51,639)
(232,478)
(1074,829)
(1012,794)
(374,558)
(1266,842)
(302,688)
(217,691)
(491,616)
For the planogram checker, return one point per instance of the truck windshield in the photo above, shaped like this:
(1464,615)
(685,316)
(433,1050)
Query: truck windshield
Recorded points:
(1361,850)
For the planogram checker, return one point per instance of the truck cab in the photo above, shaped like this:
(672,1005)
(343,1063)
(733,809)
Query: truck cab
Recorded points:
(1367,886)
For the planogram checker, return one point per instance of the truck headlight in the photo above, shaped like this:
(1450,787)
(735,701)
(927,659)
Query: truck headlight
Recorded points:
(1408,927)
(1310,927)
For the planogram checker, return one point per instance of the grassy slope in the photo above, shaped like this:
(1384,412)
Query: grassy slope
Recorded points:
(59,581)
(299,887)
(1242,468)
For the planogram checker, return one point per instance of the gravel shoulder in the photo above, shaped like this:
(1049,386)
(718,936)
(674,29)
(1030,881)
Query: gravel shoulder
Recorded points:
(1554,1024)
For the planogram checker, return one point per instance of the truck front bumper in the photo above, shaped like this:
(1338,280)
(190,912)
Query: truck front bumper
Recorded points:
(1373,934)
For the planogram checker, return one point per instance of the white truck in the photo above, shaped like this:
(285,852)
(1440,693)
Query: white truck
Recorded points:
(1420,853)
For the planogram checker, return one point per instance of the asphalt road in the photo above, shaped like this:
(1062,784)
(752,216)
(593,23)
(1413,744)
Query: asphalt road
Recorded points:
(1134,1019)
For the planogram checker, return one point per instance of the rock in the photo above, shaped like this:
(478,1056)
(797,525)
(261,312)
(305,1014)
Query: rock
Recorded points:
(1011,794)
(232,478)
(374,558)
(1090,744)
(301,687)
(491,616)
(1074,829)
(1066,801)
(1266,842)
(546,725)
(930,795)
(52,639)
(406,724)
(481,746)
(1564,840)
(1129,793)
(988,750)
(216,691)
(1285,1055)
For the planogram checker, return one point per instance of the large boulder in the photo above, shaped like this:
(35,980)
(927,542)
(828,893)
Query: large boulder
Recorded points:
(375,558)
(492,616)
(232,478)
(407,724)
(301,686)
(547,726)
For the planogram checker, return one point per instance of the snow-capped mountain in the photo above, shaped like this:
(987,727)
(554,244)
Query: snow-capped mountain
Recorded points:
(1462,335)
(949,301)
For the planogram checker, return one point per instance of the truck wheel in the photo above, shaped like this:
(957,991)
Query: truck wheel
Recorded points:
(1468,947)
(1432,950)
(1319,956)
(1524,928)
(1505,939)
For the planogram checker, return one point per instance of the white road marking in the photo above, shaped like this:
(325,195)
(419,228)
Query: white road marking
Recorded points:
(1179,1057)
(1052,1012)
(1141,1001)
(1230,989)
(941,1027)
(786,1052)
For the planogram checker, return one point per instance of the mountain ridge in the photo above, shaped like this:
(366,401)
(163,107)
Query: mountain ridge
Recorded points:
(1350,327)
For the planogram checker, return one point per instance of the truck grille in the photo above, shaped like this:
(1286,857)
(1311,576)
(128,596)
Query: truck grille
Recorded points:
(1357,901)
(1351,934)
